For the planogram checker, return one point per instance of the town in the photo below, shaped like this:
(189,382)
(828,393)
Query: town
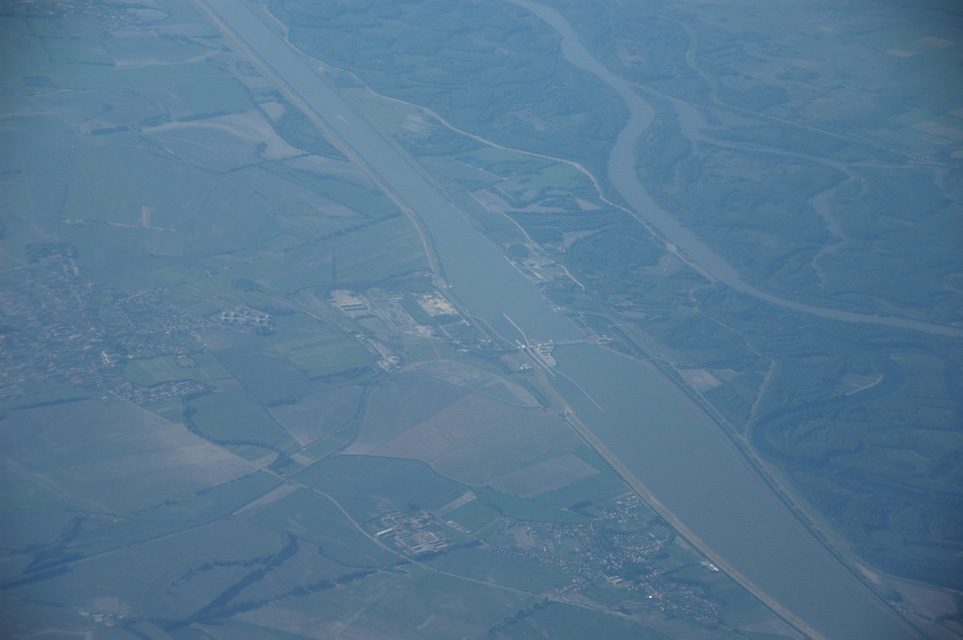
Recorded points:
(59,329)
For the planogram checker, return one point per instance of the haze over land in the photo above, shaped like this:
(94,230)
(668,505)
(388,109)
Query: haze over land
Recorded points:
(502,320)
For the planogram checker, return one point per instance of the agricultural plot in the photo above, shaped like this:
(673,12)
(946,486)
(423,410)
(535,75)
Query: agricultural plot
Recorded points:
(77,50)
(35,514)
(474,515)
(125,113)
(221,143)
(567,622)
(401,404)
(413,603)
(512,506)
(588,494)
(34,67)
(367,486)
(264,372)
(231,417)
(332,167)
(153,371)
(320,414)
(322,356)
(545,476)
(113,456)
(470,437)
(477,440)
(126,188)
(204,96)
(134,50)
(17,614)
(113,180)
(288,262)
(351,190)
(390,248)
(173,577)
(117,254)
(316,519)
(475,380)
(496,569)
(307,568)
(204,507)
(289,189)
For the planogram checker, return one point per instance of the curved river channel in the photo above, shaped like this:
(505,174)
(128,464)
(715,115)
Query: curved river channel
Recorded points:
(661,437)
(624,178)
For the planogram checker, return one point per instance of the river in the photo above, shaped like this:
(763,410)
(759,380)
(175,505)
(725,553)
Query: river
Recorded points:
(658,433)
(622,173)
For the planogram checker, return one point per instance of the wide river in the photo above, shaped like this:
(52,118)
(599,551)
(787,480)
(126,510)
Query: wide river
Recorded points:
(657,432)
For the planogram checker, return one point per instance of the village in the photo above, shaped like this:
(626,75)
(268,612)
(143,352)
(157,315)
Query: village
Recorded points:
(619,549)
(61,330)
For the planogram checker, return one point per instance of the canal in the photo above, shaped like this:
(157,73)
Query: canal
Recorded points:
(665,440)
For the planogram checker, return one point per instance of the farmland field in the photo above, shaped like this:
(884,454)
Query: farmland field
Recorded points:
(315,519)
(116,458)
(415,602)
(476,440)
(318,414)
(490,567)
(366,486)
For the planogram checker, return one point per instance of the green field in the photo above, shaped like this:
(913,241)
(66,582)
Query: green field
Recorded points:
(587,493)
(232,417)
(172,577)
(494,568)
(315,519)
(477,439)
(265,374)
(325,356)
(414,603)
(36,515)
(522,509)
(320,414)
(201,508)
(204,367)
(387,249)
(114,457)
(473,516)
(368,486)
(565,622)
(365,201)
